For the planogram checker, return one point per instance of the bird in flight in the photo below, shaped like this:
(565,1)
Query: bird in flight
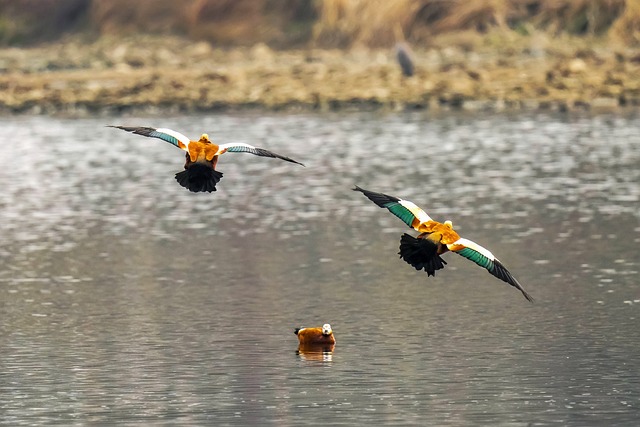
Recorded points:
(200,174)
(435,239)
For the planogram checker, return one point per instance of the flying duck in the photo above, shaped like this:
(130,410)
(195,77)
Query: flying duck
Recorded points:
(435,239)
(316,336)
(200,172)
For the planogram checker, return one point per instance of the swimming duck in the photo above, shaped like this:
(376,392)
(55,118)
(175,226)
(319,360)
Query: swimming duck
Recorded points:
(316,336)
(200,172)
(435,239)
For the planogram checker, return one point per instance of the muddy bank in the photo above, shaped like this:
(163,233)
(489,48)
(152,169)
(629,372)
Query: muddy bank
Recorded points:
(149,74)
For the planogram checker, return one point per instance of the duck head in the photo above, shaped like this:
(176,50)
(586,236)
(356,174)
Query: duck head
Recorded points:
(326,329)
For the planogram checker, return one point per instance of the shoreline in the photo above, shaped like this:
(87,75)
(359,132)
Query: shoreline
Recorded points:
(151,74)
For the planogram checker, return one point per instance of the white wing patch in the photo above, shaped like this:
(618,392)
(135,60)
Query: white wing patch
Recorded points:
(177,135)
(416,211)
(472,245)
(238,146)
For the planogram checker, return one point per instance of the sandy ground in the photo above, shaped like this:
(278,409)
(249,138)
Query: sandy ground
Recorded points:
(173,74)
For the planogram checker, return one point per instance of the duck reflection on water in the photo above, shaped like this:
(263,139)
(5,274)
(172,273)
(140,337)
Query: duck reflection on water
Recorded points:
(316,343)
(316,352)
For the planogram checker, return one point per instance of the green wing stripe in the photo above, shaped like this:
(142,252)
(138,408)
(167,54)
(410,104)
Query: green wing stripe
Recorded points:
(165,137)
(168,135)
(401,212)
(241,149)
(392,203)
(476,257)
(495,268)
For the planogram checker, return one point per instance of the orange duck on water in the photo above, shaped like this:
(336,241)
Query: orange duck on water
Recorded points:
(200,172)
(316,336)
(435,239)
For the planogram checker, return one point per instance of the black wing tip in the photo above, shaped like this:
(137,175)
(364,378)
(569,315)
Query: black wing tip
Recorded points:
(140,130)
(379,199)
(527,296)
(287,159)
(501,272)
(266,153)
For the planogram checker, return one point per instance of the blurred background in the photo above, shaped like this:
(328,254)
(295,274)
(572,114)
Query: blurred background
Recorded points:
(324,23)
(315,54)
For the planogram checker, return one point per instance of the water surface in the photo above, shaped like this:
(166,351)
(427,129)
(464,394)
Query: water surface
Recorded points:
(126,299)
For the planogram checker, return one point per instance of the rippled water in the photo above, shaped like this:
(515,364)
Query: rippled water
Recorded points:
(126,299)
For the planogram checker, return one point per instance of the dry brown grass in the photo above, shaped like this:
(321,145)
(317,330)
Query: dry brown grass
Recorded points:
(627,28)
(225,22)
(368,22)
(26,21)
(578,16)
(237,22)
(150,16)
(324,23)
(346,22)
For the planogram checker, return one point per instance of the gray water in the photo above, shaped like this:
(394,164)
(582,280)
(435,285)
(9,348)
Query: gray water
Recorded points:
(125,299)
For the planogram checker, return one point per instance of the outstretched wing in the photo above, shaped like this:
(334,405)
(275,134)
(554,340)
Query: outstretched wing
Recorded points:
(407,211)
(168,135)
(241,147)
(484,258)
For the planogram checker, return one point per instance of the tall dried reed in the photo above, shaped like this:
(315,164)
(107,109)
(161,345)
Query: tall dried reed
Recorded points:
(372,22)
(326,23)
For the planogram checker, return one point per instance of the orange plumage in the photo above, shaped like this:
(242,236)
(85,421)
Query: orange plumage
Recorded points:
(435,239)
(316,336)
(200,172)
